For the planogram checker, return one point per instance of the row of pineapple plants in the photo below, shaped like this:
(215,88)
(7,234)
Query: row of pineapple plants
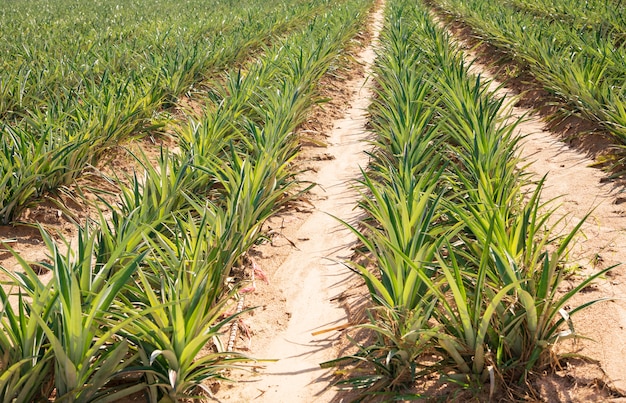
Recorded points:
(582,63)
(604,17)
(138,304)
(458,252)
(76,79)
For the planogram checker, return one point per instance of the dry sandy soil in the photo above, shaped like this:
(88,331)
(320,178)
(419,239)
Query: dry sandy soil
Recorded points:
(311,291)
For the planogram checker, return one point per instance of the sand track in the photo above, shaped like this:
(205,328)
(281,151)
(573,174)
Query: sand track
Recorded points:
(313,275)
(577,189)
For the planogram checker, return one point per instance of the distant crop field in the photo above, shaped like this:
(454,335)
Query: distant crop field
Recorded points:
(574,49)
(77,77)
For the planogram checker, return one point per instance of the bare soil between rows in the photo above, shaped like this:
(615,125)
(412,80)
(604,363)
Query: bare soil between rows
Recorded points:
(310,290)
(565,149)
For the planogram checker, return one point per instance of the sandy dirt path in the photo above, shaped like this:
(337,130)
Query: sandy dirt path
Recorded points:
(579,189)
(312,276)
(602,243)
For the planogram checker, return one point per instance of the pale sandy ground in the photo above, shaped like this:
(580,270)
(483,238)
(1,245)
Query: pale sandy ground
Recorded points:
(602,244)
(603,239)
(579,189)
(313,275)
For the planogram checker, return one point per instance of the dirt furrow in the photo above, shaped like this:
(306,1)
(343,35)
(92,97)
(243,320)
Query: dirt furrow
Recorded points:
(312,275)
(581,192)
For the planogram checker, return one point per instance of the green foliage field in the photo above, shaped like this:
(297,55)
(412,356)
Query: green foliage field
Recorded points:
(136,305)
(462,264)
(78,77)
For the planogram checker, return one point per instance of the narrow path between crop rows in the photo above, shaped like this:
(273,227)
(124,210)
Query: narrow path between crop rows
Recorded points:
(581,192)
(577,190)
(313,276)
